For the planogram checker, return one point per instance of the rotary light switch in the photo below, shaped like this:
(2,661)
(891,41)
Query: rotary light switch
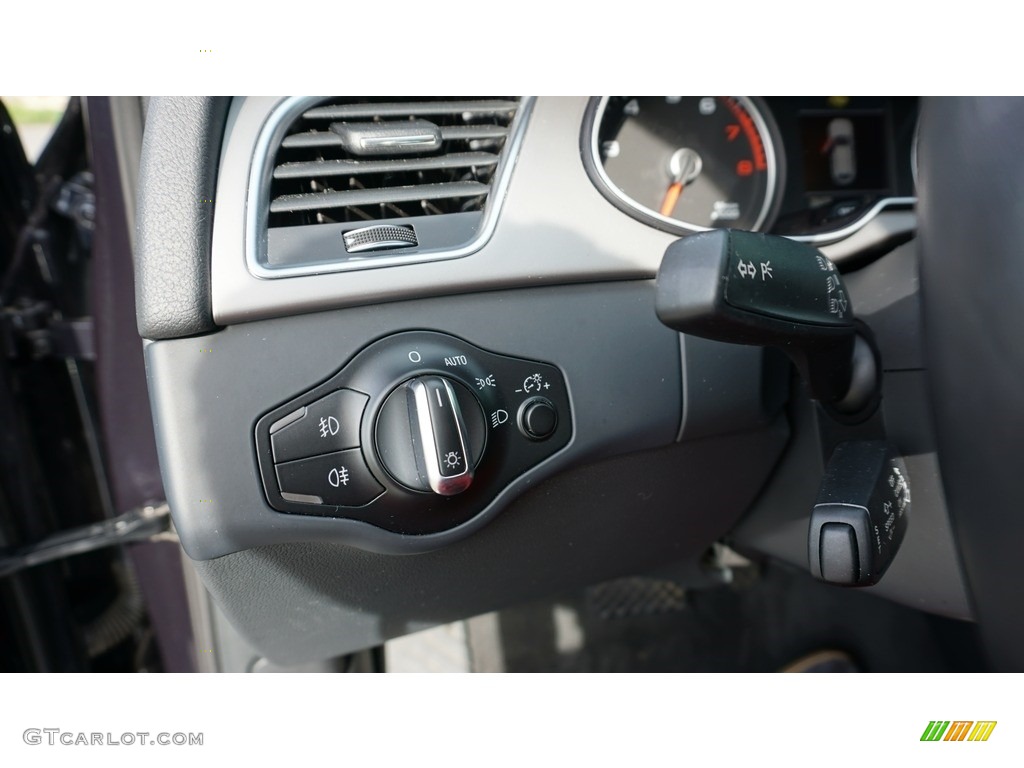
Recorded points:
(430,435)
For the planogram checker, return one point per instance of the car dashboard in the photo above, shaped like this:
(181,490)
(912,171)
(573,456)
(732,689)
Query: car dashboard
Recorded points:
(373,265)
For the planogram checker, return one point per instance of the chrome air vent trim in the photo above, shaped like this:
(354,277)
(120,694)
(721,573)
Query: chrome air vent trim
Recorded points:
(261,170)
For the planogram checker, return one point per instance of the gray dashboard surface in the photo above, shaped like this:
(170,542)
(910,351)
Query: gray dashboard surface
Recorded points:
(622,368)
(300,602)
(309,596)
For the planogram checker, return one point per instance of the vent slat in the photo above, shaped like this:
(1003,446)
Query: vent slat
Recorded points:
(361,197)
(467,132)
(321,168)
(311,140)
(317,139)
(410,108)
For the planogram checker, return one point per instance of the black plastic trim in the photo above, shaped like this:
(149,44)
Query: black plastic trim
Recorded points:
(177,178)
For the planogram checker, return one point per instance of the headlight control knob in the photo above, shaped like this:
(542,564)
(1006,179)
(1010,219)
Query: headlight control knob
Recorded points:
(538,418)
(430,435)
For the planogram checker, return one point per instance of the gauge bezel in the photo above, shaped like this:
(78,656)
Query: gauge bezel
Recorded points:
(774,159)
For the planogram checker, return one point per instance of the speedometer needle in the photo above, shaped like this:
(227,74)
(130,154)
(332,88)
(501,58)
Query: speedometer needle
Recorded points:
(683,167)
(672,194)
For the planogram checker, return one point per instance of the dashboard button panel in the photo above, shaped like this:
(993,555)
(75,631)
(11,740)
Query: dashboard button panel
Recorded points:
(516,413)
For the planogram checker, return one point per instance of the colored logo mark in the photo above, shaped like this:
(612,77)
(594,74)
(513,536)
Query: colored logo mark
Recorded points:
(958,730)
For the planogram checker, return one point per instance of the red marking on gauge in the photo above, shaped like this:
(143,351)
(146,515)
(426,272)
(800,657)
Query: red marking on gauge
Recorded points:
(746,122)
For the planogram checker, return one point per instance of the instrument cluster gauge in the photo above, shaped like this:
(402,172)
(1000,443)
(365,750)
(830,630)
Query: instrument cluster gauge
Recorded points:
(686,163)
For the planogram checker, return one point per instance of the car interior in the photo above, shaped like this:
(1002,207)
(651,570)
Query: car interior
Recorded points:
(510,383)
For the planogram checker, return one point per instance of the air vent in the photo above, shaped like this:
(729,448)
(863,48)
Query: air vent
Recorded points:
(428,165)
(324,175)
